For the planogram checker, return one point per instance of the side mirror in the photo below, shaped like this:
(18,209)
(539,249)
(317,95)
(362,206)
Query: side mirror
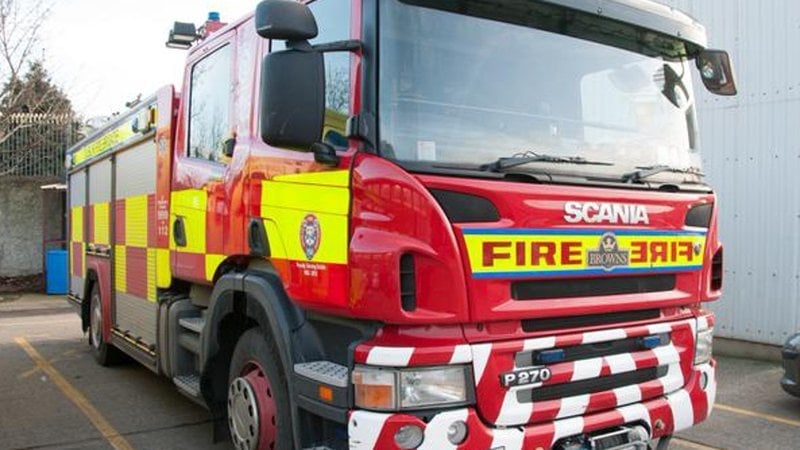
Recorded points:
(285,20)
(716,71)
(293,98)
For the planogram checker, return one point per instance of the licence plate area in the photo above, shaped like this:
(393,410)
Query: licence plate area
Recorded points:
(543,379)
(621,438)
(533,376)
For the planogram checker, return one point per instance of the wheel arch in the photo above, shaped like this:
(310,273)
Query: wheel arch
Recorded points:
(88,284)
(98,271)
(240,301)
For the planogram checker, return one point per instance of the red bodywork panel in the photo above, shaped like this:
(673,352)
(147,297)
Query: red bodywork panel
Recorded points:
(536,206)
(394,214)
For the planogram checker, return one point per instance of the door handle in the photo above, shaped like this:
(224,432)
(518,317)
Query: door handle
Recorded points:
(179,232)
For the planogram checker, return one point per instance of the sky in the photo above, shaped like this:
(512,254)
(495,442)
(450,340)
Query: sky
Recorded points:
(103,53)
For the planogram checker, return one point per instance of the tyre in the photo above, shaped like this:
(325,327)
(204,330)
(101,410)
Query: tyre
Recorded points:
(104,353)
(258,400)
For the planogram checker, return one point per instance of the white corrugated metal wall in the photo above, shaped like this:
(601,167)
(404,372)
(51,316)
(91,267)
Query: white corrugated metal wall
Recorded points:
(751,146)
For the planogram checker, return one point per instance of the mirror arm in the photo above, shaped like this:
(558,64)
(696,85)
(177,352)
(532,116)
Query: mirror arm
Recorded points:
(325,154)
(351,45)
(301,46)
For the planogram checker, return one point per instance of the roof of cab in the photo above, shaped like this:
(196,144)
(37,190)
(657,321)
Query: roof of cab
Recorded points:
(644,13)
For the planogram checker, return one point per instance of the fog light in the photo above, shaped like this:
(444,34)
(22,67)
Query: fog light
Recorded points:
(408,437)
(703,381)
(457,432)
(638,434)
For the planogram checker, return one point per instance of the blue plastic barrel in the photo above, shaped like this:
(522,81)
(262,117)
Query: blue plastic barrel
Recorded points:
(56,271)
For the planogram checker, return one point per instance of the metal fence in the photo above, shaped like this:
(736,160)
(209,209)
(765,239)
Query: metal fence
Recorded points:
(33,145)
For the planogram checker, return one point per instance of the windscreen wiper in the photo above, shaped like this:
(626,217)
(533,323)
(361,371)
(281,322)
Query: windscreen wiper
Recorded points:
(507,162)
(641,173)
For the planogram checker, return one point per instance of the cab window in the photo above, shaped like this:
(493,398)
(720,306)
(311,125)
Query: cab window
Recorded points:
(209,105)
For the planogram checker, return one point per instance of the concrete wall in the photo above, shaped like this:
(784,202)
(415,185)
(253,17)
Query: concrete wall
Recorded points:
(21,205)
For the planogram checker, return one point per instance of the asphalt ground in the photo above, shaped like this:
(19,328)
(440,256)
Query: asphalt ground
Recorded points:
(54,396)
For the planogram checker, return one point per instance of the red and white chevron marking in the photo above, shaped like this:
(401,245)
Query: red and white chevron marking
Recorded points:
(675,400)
(673,412)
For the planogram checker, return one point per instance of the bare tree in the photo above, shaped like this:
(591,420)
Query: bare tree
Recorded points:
(36,117)
(20,23)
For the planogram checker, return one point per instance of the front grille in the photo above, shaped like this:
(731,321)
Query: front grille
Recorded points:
(555,323)
(591,287)
(587,351)
(590,386)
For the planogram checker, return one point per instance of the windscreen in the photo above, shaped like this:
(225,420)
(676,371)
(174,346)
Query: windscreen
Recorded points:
(467,82)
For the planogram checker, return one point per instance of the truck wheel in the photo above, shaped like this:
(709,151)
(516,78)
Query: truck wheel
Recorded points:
(258,401)
(103,352)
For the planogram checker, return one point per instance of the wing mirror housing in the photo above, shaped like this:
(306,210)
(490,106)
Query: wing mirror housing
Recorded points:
(293,80)
(716,71)
(293,99)
(285,20)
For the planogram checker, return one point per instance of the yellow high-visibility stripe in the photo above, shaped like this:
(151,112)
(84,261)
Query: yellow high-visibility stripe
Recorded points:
(101,223)
(120,273)
(136,221)
(104,143)
(77,224)
(339,178)
(276,247)
(332,237)
(305,197)
(287,200)
(151,274)
(212,263)
(163,272)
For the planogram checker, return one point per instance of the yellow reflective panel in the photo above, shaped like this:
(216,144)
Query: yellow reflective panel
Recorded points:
(212,262)
(120,272)
(190,204)
(163,272)
(77,224)
(151,274)
(136,221)
(101,223)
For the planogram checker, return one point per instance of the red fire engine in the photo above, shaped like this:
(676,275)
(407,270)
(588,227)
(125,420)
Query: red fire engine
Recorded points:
(415,224)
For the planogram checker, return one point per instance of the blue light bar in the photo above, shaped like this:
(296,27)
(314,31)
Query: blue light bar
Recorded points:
(650,342)
(213,16)
(551,356)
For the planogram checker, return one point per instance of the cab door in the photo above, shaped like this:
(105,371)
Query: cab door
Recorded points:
(200,207)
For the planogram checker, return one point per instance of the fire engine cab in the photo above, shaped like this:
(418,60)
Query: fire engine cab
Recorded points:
(415,224)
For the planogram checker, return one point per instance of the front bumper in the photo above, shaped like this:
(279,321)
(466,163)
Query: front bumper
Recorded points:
(791,365)
(662,416)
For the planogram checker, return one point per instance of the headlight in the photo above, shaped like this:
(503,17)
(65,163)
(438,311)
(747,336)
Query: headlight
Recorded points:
(702,349)
(393,389)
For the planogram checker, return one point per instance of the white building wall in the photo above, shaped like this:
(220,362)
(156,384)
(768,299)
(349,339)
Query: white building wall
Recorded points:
(751,146)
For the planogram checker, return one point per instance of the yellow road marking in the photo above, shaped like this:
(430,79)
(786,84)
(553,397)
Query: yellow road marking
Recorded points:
(770,417)
(103,426)
(693,445)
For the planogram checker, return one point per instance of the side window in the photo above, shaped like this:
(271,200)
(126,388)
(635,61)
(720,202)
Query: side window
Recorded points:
(333,22)
(209,105)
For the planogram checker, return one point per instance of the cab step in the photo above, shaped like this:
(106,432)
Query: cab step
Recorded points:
(189,384)
(324,372)
(195,324)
